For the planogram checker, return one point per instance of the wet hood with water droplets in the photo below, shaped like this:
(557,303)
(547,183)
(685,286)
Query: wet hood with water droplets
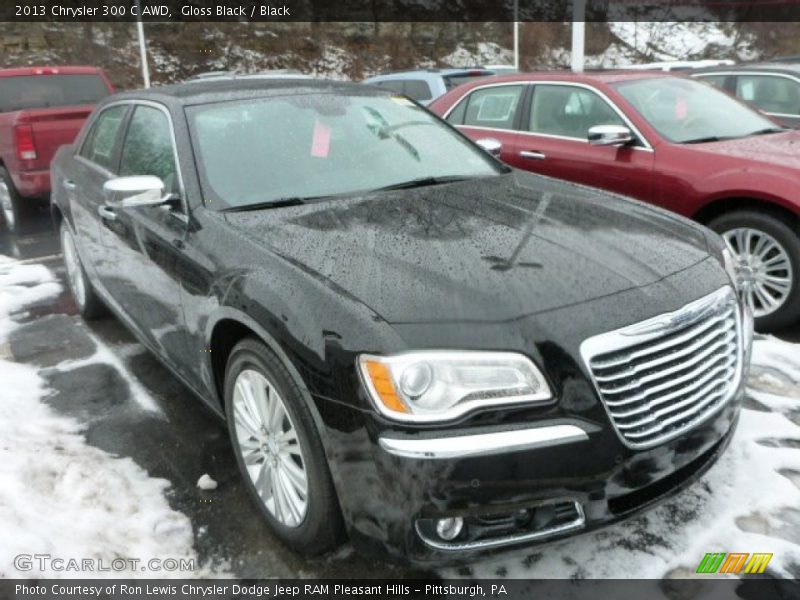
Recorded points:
(490,249)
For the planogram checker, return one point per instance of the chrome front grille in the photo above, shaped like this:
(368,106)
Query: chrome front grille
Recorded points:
(661,377)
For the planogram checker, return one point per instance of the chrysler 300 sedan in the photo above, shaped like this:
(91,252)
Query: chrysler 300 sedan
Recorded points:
(412,344)
(678,143)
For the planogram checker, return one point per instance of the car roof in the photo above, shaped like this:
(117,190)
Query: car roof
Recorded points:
(444,72)
(599,76)
(788,68)
(44,70)
(223,89)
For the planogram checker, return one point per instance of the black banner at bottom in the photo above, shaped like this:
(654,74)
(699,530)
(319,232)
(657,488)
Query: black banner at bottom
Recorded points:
(701,587)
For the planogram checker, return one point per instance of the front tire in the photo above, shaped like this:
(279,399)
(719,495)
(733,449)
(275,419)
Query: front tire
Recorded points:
(278,450)
(767,251)
(86,299)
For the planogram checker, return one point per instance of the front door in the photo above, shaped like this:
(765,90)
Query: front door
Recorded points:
(555,142)
(143,245)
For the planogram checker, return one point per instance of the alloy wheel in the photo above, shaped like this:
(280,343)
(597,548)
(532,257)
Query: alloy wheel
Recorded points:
(269,447)
(73,265)
(764,269)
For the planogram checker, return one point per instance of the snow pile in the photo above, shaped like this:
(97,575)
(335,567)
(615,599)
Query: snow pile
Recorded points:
(58,495)
(747,502)
(206,483)
(21,285)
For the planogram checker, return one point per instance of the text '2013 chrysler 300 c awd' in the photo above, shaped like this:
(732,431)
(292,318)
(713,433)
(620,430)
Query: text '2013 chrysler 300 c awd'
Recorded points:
(412,344)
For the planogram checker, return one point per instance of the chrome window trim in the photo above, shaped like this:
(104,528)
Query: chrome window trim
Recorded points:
(648,147)
(655,328)
(755,74)
(578,523)
(482,444)
(522,84)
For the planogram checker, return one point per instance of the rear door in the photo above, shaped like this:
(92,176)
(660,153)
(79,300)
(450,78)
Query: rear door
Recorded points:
(493,111)
(555,141)
(144,244)
(94,163)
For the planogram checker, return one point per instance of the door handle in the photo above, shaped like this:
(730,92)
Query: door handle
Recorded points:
(107,213)
(532,154)
(69,184)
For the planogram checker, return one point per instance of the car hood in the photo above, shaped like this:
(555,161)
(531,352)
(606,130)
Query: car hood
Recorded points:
(775,148)
(490,249)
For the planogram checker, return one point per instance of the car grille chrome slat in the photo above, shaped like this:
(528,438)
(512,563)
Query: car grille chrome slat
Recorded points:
(662,377)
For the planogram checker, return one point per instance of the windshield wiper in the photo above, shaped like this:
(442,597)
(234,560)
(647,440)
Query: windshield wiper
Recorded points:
(767,130)
(703,140)
(422,182)
(279,203)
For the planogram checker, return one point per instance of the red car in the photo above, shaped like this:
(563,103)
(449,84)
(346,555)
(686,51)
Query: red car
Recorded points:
(662,138)
(41,109)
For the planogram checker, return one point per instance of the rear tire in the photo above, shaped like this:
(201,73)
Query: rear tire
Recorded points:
(86,299)
(10,202)
(768,252)
(277,447)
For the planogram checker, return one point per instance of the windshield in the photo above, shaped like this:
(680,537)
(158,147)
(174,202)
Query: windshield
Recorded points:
(304,146)
(685,111)
(44,91)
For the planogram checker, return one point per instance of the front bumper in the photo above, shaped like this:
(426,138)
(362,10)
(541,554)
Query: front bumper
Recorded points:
(399,488)
(515,476)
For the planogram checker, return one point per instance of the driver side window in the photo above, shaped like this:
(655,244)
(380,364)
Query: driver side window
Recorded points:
(569,111)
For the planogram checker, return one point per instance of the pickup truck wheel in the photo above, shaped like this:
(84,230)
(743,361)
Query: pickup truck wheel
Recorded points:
(768,256)
(89,304)
(278,450)
(10,204)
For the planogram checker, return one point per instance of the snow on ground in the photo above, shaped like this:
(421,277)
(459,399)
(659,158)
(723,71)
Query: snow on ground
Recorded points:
(58,495)
(749,501)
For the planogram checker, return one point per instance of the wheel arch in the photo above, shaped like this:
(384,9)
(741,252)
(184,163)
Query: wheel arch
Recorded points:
(720,206)
(228,327)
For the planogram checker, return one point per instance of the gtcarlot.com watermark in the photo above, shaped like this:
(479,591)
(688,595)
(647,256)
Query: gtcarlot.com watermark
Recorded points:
(47,562)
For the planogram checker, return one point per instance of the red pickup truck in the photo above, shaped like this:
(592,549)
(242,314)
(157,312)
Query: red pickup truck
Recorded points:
(41,108)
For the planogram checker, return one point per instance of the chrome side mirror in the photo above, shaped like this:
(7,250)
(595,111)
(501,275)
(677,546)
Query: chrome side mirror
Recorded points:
(609,135)
(135,191)
(491,145)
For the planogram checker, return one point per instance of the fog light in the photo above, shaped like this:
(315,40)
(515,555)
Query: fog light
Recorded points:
(448,529)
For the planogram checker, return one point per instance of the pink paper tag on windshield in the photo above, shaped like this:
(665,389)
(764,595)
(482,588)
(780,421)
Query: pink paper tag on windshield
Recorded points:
(681,109)
(321,143)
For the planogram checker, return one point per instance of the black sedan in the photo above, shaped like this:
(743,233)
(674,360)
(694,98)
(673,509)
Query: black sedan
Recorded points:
(412,344)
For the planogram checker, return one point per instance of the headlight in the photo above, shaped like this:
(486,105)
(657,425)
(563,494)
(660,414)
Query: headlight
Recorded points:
(440,385)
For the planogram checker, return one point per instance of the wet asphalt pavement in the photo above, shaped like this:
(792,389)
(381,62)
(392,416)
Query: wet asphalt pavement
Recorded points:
(179,442)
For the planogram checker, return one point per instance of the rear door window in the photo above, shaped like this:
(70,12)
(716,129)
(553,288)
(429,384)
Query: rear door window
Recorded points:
(101,143)
(774,95)
(45,91)
(494,107)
